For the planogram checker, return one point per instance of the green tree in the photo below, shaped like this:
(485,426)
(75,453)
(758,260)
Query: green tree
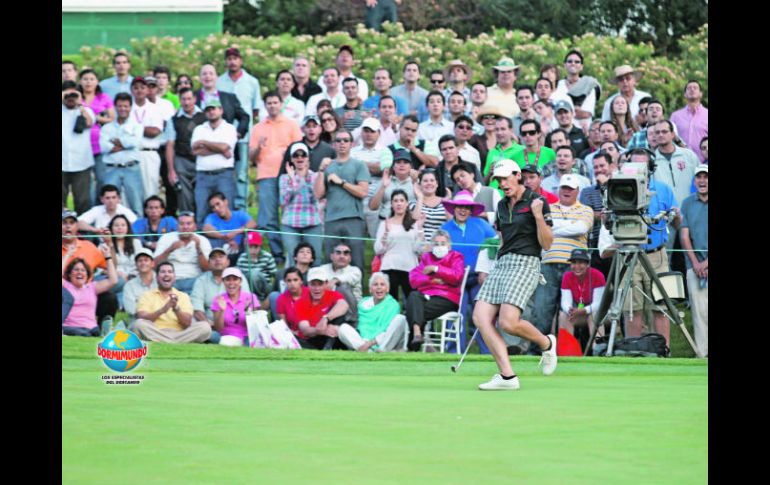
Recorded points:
(660,22)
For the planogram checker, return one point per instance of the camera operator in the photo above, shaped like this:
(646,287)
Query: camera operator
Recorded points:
(77,158)
(662,200)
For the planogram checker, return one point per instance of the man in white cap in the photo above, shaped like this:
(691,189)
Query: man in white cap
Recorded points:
(524,222)
(572,221)
(626,78)
(377,158)
(144,281)
(320,313)
(564,164)
(695,240)
(502,94)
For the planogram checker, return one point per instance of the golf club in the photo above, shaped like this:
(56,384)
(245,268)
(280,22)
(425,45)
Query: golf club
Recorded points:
(470,342)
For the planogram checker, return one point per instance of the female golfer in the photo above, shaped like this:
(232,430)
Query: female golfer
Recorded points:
(524,222)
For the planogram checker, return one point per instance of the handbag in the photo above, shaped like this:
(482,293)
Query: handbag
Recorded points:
(282,335)
(376,263)
(649,345)
(260,336)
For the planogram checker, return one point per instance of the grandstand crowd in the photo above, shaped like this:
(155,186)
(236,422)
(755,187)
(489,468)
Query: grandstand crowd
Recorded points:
(156,168)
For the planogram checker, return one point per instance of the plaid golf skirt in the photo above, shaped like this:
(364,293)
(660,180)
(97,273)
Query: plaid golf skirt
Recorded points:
(513,280)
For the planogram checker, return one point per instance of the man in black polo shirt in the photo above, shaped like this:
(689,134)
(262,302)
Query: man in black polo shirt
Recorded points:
(319,149)
(524,221)
(407,135)
(179,157)
(565,116)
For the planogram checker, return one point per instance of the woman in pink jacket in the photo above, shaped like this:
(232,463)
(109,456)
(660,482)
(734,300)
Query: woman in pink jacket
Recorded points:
(436,285)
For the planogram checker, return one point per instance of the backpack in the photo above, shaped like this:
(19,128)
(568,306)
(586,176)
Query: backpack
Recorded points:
(649,345)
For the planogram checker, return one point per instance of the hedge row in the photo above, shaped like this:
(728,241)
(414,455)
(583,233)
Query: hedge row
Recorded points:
(265,56)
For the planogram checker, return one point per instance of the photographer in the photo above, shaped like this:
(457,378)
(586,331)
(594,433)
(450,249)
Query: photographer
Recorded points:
(77,158)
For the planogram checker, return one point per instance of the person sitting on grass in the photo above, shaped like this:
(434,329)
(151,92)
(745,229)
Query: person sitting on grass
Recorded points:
(581,293)
(207,286)
(144,281)
(321,314)
(230,310)
(124,246)
(304,257)
(165,314)
(76,279)
(436,285)
(258,266)
(381,326)
(287,302)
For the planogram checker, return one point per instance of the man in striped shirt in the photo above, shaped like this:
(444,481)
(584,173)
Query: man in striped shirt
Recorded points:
(572,222)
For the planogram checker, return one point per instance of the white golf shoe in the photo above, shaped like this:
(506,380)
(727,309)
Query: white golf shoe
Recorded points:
(497,383)
(548,360)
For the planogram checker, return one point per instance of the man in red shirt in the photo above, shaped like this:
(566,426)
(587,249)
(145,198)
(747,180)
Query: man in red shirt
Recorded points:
(532,179)
(321,314)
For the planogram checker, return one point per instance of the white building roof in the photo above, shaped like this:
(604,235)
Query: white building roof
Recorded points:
(141,5)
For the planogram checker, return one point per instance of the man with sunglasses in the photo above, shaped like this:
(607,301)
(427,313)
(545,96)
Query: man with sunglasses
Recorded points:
(319,149)
(463,133)
(582,90)
(437,83)
(533,152)
(344,182)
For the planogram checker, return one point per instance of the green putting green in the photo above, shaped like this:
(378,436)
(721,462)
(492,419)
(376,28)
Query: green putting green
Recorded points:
(206,414)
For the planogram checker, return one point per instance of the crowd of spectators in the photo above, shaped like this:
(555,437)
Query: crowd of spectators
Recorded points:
(157,173)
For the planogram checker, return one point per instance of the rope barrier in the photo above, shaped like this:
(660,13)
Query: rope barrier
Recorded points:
(324,236)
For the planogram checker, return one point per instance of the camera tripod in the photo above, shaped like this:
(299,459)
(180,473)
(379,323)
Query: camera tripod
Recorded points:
(619,281)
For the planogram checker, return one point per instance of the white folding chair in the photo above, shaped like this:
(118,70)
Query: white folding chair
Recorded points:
(448,327)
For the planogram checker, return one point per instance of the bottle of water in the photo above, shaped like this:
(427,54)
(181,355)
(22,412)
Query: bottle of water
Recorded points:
(106,325)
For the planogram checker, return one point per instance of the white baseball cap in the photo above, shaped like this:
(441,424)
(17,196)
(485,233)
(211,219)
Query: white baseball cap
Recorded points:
(232,271)
(569,180)
(371,123)
(702,168)
(505,167)
(317,273)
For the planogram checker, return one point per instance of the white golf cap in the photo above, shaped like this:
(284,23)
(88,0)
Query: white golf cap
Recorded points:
(702,168)
(569,180)
(317,273)
(371,123)
(299,146)
(232,271)
(505,167)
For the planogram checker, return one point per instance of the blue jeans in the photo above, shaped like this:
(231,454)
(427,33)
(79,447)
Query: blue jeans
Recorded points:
(206,183)
(267,217)
(66,303)
(241,175)
(185,285)
(98,176)
(273,297)
(291,241)
(130,179)
(547,296)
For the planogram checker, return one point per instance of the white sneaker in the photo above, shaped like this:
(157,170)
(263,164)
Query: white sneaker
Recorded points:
(548,360)
(497,383)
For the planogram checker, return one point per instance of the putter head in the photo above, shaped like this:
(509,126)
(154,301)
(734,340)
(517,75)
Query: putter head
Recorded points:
(454,369)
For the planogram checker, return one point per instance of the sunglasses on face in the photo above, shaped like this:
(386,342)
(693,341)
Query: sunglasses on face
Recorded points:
(299,155)
(529,133)
(488,117)
(436,81)
(464,127)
